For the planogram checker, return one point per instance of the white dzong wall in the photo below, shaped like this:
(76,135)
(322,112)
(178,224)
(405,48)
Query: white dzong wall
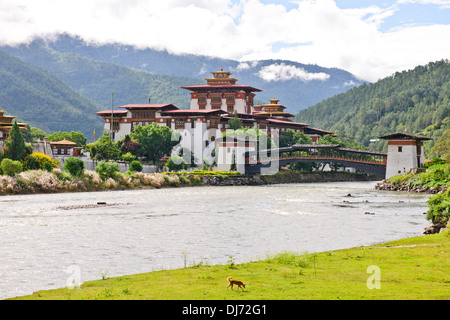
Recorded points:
(402,156)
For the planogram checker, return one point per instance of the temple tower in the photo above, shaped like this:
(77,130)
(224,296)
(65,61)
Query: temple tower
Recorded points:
(405,152)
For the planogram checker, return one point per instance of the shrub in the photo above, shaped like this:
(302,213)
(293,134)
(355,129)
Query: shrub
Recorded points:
(65,176)
(39,181)
(74,166)
(107,169)
(176,163)
(39,161)
(136,166)
(92,178)
(128,157)
(439,207)
(10,167)
(8,185)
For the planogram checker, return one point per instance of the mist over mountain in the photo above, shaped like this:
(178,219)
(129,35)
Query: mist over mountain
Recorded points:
(135,74)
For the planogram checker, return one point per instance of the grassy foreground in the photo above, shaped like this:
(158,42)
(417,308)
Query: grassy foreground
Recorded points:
(412,268)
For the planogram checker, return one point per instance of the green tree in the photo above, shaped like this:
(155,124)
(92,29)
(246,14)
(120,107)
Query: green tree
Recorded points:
(290,137)
(14,147)
(442,147)
(234,122)
(155,141)
(11,167)
(74,166)
(73,136)
(31,134)
(107,169)
(105,149)
(176,163)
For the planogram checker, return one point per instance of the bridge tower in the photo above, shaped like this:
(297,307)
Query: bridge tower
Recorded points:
(405,152)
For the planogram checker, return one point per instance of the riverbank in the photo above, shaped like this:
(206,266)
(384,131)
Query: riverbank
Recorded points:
(285,177)
(388,185)
(407,269)
(434,179)
(39,181)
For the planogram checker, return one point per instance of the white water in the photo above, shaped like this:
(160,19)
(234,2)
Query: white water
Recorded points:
(154,229)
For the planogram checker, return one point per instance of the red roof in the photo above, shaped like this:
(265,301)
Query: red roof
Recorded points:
(225,86)
(318,131)
(288,122)
(192,111)
(149,106)
(115,112)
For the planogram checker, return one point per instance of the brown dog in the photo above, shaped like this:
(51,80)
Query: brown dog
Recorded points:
(240,284)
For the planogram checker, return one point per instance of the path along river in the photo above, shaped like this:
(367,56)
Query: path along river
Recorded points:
(47,239)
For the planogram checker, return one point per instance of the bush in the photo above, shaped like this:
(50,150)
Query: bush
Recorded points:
(176,163)
(107,170)
(39,161)
(128,157)
(10,167)
(136,166)
(74,166)
(439,207)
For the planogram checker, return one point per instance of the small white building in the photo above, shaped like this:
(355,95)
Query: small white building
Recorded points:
(405,152)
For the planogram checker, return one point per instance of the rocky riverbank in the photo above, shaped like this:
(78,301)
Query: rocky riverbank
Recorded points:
(435,226)
(282,177)
(389,186)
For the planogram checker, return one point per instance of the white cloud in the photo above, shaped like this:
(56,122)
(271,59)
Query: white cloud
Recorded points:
(444,4)
(283,72)
(243,30)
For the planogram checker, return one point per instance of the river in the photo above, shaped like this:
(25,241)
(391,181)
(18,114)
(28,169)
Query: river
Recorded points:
(44,239)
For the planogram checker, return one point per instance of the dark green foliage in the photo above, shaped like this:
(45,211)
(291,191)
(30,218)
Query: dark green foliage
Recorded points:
(105,149)
(327,139)
(155,141)
(416,101)
(14,147)
(10,167)
(176,163)
(31,134)
(234,122)
(107,169)
(439,207)
(290,137)
(41,99)
(74,166)
(135,166)
(74,136)
(442,146)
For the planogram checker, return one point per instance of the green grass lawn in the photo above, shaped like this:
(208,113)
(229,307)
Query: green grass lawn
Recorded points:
(413,268)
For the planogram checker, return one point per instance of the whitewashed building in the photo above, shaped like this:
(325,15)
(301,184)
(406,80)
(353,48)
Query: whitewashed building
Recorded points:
(405,152)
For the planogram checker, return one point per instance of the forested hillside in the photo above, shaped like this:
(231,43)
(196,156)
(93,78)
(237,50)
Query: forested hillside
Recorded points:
(42,100)
(134,74)
(97,80)
(414,101)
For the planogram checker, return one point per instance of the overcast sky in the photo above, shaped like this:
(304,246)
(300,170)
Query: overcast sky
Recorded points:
(371,39)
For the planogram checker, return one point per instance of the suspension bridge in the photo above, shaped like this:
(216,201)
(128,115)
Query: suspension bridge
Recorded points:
(370,162)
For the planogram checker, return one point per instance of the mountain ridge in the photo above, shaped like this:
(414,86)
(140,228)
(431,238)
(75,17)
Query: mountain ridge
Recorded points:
(296,85)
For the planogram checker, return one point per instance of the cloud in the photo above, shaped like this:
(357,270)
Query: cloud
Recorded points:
(443,4)
(315,32)
(283,72)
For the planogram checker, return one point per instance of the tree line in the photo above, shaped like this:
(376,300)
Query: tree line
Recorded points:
(416,101)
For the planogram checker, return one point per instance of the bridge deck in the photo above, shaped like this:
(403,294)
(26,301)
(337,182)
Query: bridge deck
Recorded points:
(366,160)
